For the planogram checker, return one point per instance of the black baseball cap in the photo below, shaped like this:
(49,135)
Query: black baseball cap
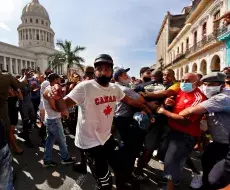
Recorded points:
(144,69)
(103,58)
(118,72)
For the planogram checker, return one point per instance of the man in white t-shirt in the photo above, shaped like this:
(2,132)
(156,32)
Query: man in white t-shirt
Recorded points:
(42,131)
(97,101)
(54,128)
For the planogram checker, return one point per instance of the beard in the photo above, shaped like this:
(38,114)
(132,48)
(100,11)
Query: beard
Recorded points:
(103,80)
(146,79)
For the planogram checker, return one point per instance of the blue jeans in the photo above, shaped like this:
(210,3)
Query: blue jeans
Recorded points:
(6,176)
(55,133)
(180,147)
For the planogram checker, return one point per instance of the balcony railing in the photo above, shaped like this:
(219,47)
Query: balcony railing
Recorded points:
(195,48)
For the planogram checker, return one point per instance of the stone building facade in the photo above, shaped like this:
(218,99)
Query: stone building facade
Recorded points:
(196,47)
(36,42)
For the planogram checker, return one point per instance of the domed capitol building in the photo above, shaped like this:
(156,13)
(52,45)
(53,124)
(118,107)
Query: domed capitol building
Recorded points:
(36,42)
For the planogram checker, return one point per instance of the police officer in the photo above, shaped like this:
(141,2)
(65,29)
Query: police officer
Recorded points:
(217,110)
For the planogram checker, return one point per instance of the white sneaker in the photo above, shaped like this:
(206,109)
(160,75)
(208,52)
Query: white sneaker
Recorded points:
(196,182)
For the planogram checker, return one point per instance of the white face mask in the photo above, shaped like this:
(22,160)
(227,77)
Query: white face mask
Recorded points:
(210,91)
(127,81)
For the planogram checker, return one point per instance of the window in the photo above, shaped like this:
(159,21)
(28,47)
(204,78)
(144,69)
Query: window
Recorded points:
(26,36)
(204,30)
(182,48)
(26,20)
(31,20)
(195,38)
(187,43)
(216,24)
(42,22)
(37,21)
(37,36)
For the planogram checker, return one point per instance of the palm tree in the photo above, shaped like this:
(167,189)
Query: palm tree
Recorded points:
(68,55)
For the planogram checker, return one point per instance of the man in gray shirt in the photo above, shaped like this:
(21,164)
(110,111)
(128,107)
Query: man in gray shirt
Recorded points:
(132,136)
(217,110)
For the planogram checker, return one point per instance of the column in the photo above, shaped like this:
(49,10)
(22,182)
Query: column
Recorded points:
(4,63)
(209,70)
(10,66)
(19,66)
(21,62)
(16,66)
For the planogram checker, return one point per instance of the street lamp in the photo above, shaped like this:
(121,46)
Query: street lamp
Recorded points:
(161,63)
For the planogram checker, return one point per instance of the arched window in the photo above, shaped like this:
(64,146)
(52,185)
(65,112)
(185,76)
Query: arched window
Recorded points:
(37,21)
(42,22)
(31,20)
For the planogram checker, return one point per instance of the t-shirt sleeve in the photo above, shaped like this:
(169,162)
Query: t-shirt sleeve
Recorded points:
(175,87)
(78,93)
(120,94)
(217,103)
(15,84)
(131,93)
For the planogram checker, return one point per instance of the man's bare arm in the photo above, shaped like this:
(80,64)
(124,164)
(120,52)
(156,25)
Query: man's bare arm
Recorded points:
(196,110)
(136,104)
(177,118)
(160,94)
(61,103)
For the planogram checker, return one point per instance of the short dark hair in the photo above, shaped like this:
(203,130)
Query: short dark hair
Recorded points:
(170,71)
(52,77)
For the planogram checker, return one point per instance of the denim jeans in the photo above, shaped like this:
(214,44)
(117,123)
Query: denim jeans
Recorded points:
(6,176)
(180,147)
(55,133)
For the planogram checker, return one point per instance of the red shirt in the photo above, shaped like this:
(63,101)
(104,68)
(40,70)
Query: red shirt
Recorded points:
(185,100)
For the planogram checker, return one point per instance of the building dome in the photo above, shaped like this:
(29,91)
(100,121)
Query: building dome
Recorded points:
(35,9)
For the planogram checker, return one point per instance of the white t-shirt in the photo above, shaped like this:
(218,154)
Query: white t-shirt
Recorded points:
(96,111)
(49,112)
(42,90)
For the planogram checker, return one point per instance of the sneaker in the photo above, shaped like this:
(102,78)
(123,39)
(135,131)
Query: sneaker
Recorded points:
(68,161)
(164,180)
(80,167)
(49,164)
(140,177)
(196,182)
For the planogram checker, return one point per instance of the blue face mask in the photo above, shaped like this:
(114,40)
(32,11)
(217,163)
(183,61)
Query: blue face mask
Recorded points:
(186,87)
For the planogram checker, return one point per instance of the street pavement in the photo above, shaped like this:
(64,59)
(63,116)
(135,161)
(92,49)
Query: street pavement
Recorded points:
(30,175)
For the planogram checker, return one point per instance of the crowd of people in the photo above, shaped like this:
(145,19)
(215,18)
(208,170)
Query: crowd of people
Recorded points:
(120,121)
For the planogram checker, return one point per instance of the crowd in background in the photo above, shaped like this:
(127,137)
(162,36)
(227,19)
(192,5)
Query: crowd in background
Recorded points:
(153,115)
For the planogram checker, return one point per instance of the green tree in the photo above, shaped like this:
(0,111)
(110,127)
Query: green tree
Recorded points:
(67,55)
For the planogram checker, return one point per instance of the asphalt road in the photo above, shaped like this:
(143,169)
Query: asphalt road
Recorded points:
(30,174)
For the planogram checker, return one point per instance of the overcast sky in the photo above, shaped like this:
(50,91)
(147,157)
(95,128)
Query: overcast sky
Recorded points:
(125,29)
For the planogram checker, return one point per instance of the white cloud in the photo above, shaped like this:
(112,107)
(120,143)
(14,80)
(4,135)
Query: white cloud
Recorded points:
(4,26)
